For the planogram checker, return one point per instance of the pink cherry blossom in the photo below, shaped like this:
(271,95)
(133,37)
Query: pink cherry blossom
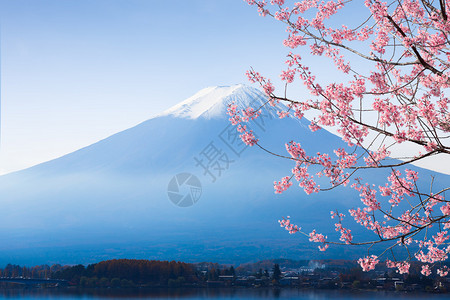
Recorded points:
(443,271)
(286,223)
(426,271)
(394,79)
(368,263)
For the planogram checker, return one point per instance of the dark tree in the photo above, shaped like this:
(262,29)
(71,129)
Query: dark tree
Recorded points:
(276,272)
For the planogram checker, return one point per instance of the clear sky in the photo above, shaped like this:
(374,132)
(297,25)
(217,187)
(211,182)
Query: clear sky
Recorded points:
(76,71)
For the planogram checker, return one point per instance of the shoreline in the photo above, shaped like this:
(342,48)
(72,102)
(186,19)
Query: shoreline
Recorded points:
(187,290)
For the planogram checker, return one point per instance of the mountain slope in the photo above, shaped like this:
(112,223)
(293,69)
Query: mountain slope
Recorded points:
(111,199)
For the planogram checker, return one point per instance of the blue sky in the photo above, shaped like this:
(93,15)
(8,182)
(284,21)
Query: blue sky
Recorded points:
(76,71)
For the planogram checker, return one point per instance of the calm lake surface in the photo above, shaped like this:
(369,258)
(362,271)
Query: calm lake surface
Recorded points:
(218,294)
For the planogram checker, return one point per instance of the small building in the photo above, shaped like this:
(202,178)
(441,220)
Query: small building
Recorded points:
(289,281)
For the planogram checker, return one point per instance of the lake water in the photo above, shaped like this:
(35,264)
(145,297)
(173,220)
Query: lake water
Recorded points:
(218,294)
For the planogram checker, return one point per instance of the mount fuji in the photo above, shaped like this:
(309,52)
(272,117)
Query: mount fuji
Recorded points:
(179,186)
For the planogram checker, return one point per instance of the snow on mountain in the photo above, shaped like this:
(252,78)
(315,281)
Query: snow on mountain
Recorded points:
(212,102)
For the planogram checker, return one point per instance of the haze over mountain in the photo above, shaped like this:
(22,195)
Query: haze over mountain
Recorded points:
(120,197)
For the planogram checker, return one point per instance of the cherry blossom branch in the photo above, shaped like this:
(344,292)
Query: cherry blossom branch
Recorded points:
(407,44)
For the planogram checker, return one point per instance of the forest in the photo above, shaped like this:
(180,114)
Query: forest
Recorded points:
(123,273)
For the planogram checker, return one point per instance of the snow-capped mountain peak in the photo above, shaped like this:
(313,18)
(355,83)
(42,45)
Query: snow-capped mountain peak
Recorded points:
(212,102)
(108,200)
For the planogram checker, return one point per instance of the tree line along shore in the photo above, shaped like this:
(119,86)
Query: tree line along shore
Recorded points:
(322,274)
